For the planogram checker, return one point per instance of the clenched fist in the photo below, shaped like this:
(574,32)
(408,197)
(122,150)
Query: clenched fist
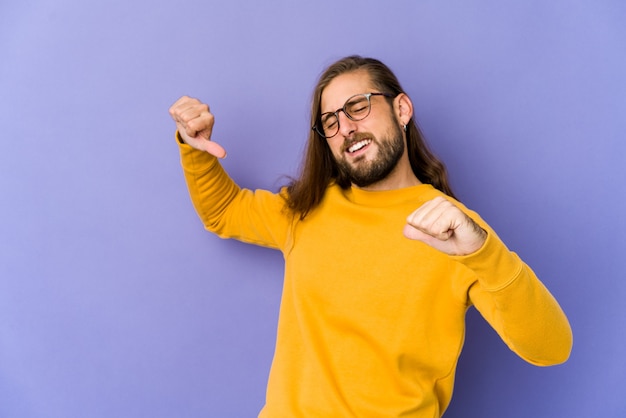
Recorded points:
(443,226)
(194,122)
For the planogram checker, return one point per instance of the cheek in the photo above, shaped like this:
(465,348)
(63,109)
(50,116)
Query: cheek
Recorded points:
(335,147)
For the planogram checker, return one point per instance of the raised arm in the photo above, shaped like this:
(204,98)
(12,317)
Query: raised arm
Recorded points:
(507,292)
(225,209)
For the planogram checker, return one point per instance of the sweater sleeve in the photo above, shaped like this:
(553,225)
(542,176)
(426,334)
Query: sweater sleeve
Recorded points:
(255,217)
(518,306)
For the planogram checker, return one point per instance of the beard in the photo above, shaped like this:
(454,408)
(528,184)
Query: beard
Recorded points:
(364,173)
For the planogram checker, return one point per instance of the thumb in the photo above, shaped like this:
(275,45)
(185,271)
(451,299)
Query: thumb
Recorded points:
(441,244)
(214,148)
(413,233)
(204,143)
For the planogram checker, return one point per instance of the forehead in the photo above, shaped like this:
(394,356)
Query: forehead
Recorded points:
(342,87)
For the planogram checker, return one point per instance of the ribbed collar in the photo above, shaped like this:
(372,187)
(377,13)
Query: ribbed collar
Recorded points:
(386,197)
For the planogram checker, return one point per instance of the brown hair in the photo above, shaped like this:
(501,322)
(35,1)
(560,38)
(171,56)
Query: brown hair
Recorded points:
(319,170)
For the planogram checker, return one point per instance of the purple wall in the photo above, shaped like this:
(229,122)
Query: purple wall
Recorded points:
(115,303)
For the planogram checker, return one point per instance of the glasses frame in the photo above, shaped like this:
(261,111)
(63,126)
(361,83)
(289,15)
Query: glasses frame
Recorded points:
(320,131)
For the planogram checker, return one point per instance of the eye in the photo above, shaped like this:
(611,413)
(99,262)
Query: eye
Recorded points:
(330,123)
(357,107)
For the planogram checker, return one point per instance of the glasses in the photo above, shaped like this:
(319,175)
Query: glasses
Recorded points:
(356,108)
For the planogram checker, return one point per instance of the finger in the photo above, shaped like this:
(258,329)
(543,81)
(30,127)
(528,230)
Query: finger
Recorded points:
(187,108)
(181,105)
(413,233)
(196,124)
(193,120)
(214,148)
(425,210)
(176,105)
(435,218)
(191,110)
(446,246)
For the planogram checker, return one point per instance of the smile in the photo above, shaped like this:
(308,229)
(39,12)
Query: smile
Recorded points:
(359,145)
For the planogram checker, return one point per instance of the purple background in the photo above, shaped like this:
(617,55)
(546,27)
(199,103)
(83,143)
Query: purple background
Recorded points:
(114,302)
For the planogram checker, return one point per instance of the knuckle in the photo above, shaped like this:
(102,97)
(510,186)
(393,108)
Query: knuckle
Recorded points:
(193,124)
(182,118)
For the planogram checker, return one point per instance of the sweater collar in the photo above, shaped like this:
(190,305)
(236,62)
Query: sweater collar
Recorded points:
(386,197)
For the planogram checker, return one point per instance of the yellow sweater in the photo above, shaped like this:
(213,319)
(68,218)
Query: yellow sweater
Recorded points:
(371,323)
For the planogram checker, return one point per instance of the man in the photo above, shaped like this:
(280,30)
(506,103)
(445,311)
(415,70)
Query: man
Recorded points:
(381,262)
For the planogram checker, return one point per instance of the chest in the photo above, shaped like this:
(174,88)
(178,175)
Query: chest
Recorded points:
(359,261)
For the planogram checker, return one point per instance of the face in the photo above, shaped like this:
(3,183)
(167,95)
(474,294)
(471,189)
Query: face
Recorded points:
(366,151)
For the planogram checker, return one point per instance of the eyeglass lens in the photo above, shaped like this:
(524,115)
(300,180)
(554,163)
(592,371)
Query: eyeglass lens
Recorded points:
(356,108)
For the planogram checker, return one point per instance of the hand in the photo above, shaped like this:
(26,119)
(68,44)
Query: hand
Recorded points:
(443,226)
(194,122)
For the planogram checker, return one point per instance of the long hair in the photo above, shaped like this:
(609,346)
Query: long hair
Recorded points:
(318,169)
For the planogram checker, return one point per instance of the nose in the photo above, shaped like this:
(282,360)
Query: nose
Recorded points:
(346,125)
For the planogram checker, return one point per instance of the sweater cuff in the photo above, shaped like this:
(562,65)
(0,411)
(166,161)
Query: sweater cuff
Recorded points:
(194,160)
(495,266)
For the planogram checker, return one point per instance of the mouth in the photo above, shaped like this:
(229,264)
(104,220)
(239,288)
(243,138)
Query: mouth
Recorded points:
(358,145)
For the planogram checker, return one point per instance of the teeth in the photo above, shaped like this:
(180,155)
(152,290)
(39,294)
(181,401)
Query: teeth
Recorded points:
(357,146)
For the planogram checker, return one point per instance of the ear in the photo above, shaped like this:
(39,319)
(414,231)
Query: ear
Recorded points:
(403,108)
